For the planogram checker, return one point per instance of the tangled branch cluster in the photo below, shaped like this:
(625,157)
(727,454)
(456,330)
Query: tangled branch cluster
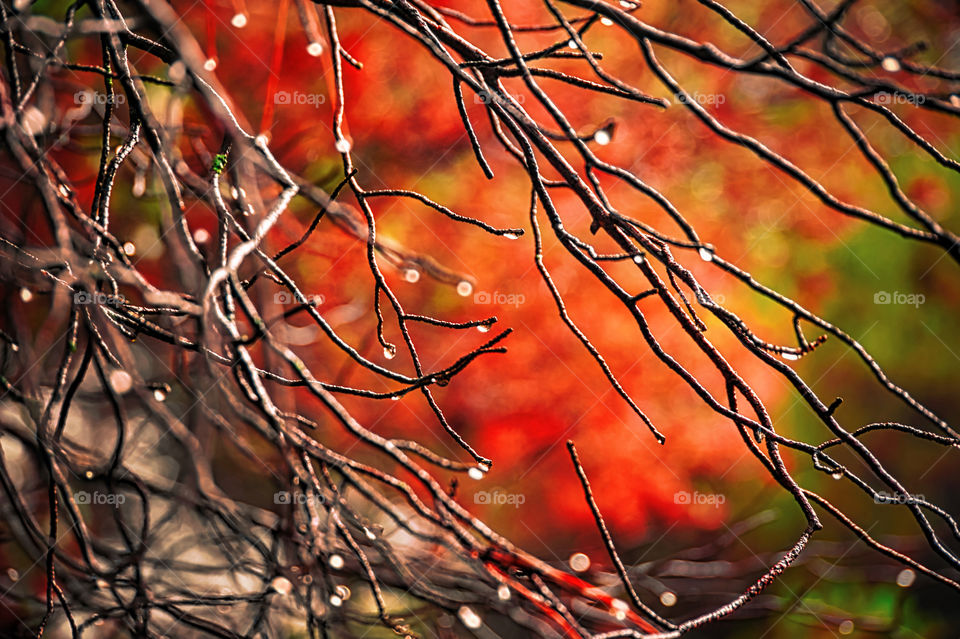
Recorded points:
(180,556)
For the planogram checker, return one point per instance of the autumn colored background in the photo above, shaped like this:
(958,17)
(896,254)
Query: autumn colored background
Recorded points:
(519,408)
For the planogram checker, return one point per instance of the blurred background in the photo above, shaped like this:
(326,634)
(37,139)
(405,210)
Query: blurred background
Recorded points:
(696,519)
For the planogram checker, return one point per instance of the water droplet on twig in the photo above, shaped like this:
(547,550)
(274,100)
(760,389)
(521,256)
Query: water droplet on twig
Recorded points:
(469,618)
(239,20)
(906,578)
(579,562)
(282,585)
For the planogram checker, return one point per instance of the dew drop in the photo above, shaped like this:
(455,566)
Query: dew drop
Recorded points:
(239,20)
(469,618)
(370,535)
(88,474)
(906,578)
(336,562)
(336,601)
(315,49)
(706,255)
(389,352)
(890,64)
(620,609)
(464,288)
(572,44)
(511,236)
(475,473)
(210,64)
(263,139)
(343,592)
(607,22)
(503,592)
(484,328)
(602,137)
(102,584)
(579,562)
(121,381)
(26,294)
(342,145)
(411,275)
(638,258)
(159,395)
(790,357)
(837,475)
(14,347)
(627,5)
(845,627)
(129,248)
(955,100)
(139,185)
(201,236)
(12,574)
(395,398)
(281,585)
(668,598)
